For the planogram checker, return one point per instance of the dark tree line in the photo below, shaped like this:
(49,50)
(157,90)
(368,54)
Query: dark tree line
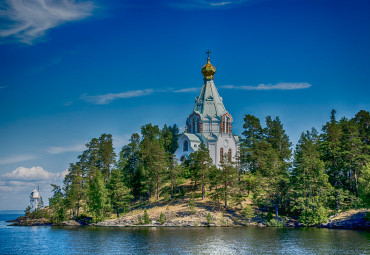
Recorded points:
(327,172)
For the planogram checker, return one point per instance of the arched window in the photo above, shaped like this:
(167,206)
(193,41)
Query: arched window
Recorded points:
(229,155)
(227,125)
(182,159)
(193,126)
(221,155)
(185,146)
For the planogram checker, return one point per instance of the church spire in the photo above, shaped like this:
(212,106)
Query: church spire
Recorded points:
(209,103)
(208,70)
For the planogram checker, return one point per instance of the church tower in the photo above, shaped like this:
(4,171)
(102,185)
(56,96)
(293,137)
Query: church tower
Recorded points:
(209,123)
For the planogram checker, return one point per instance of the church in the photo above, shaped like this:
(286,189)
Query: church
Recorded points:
(209,123)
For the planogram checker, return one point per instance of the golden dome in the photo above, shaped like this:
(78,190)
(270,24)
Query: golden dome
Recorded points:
(208,70)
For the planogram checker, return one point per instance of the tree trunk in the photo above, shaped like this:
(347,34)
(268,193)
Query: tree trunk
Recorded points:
(157,186)
(276,207)
(117,213)
(203,191)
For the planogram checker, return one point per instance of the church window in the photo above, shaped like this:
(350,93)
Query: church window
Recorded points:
(182,159)
(221,155)
(229,155)
(227,125)
(193,126)
(185,146)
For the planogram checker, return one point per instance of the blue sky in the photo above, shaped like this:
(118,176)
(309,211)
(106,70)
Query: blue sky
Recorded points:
(72,70)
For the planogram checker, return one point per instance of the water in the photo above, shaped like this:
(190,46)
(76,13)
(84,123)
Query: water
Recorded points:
(238,240)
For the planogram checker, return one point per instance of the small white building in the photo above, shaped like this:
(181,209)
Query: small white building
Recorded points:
(36,200)
(209,123)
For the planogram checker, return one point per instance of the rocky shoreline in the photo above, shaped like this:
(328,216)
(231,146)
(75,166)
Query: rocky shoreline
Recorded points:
(354,219)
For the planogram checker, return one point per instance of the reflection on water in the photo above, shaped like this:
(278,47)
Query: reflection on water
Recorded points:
(239,240)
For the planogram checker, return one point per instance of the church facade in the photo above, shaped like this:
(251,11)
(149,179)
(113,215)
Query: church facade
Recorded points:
(209,123)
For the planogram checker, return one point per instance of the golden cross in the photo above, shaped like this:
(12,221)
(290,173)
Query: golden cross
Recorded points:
(208,53)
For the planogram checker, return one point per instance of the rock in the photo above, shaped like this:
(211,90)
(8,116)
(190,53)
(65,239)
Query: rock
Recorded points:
(70,223)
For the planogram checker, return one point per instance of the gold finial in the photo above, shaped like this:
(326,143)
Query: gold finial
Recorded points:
(208,69)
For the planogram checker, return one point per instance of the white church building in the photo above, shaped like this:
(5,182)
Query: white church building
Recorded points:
(209,123)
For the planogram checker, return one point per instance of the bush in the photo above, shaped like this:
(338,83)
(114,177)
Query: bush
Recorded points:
(146,217)
(248,212)
(209,218)
(275,223)
(314,217)
(162,218)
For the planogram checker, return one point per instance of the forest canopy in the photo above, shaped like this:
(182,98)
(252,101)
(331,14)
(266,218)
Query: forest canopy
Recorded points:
(327,172)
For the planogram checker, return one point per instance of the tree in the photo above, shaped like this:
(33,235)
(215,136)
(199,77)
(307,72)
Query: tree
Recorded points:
(74,187)
(119,194)
(252,134)
(130,164)
(98,200)
(364,185)
(272,155)
(56,204)
(169,138)
(331,155)
(310,189)
(107,156)
(154,161)
(173,173)
(227,177)
(200,164)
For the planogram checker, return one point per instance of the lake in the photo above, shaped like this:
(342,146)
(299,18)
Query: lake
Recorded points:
(234,240)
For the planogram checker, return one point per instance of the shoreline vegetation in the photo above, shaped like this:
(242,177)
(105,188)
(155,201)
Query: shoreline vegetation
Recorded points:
(324,182)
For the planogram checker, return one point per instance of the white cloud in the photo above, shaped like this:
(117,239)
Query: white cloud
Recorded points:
(16,186)
(278,86)
(187,90)
(16,159)
(220,3)
(211,3)
(35,173)
(28,20)
(60,149)
(107,98)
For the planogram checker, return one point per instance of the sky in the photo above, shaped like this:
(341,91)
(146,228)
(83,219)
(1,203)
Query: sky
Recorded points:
(73,70)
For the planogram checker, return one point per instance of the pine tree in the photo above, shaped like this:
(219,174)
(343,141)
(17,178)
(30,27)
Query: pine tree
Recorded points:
(154,164)
(98,200)
(310,189)
(130,164)
(57,205)
(364,185)
(228,179)
(106,154)
(74,187)
(119,194)
(200,164)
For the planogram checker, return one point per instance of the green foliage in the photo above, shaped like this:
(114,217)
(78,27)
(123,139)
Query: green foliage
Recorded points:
(154,160)
(200,164)
(310,190)
(57,205)
(209,218)
(27,210)
(276,223)
(364,185)
(120,196)
(162,218)
(248,212)
(146,218)
(314,216)
(98,200)
(191,203)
